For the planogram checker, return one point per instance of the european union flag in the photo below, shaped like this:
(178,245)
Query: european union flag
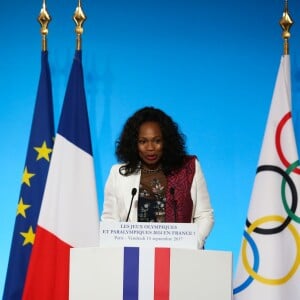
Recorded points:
(32,187)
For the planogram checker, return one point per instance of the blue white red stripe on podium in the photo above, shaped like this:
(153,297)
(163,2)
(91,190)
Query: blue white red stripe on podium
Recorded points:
(146,273)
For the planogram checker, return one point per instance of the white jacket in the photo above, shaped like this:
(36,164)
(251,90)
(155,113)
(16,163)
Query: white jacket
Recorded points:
(118,194)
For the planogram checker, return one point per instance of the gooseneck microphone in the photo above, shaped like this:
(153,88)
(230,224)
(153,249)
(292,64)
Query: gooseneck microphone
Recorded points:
(133,192)
(174,203)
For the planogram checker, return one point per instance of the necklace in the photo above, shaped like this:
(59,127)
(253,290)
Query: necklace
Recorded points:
(150,171)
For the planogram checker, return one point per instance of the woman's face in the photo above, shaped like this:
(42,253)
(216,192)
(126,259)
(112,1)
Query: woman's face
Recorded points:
(150,144)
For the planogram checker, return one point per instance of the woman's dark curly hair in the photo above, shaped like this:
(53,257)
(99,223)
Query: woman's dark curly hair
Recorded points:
(174,149)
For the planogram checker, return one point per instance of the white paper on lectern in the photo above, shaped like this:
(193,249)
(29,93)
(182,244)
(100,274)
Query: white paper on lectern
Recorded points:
(143,234)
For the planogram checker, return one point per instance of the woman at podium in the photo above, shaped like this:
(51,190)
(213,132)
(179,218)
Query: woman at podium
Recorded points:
(156,180)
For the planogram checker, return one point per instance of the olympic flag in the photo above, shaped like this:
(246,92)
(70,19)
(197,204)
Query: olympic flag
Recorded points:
(268,266)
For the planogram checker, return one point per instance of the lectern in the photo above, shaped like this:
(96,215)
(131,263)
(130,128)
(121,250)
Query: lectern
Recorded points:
(146,273)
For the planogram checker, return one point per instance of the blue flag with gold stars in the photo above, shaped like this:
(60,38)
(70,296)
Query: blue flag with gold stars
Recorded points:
(32,186)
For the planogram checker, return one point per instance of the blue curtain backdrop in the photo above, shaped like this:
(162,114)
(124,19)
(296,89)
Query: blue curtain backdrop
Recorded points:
(210,64)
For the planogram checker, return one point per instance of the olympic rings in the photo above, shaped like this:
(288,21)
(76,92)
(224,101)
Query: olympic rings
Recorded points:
(290,212)
(294,200)
(249,280)
(282,123)
(294,267)
(284,223)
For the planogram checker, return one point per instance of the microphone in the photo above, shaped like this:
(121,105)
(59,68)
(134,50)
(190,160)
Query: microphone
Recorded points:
(133,192)
(172,192)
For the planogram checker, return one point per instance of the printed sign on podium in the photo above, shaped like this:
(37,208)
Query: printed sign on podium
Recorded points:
(139,234)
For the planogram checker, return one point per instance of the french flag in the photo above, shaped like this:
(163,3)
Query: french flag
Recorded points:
(69,211)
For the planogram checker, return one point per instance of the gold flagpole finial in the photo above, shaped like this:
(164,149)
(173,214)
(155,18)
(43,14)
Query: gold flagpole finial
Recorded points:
(44,19)
(79,18)
(286,23)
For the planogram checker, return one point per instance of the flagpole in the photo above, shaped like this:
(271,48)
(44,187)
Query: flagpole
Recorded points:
(44,19)
(286,23)
(79,18)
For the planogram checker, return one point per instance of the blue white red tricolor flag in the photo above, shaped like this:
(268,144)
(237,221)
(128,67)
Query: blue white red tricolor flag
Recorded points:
(268,267)
(69,212)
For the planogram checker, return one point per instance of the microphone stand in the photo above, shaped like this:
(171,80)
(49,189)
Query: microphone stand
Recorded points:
(133,192)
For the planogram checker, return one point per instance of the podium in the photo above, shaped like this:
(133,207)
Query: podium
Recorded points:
(143,273)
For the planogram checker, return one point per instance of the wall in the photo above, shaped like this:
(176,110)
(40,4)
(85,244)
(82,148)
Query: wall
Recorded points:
(211,65)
